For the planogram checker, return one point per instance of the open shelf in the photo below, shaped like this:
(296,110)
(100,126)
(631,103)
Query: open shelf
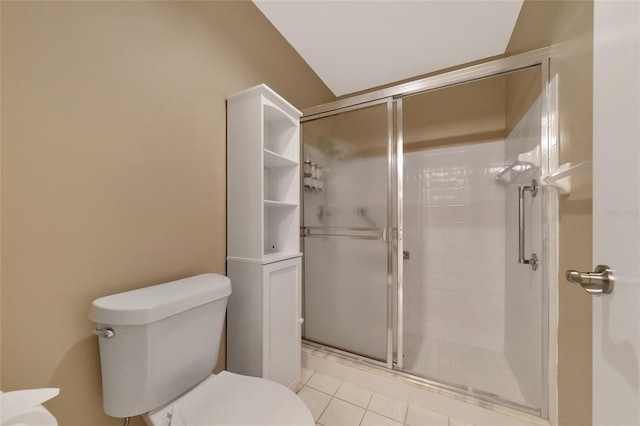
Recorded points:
(273,160)
(282,184)
(280,131)
(263,176)
(272,203)
(281,227)
(273,114)
(275,256)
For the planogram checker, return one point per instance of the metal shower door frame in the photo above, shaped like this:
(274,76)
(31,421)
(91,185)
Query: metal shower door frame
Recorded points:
(388,233)
(399,159)
(392,96)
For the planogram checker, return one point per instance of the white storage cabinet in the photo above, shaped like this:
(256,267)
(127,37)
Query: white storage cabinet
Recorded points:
(263,236)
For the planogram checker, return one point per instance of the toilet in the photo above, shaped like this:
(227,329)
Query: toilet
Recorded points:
(158,346)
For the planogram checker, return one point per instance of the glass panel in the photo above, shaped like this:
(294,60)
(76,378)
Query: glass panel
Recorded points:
(346,295)
(472,313)
(345,186)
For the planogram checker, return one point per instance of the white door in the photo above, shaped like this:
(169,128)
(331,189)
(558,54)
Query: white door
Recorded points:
(616,211)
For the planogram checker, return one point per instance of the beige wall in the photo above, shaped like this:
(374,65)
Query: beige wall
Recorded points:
(523,88)
(466,113)
(113,165)
(569,24)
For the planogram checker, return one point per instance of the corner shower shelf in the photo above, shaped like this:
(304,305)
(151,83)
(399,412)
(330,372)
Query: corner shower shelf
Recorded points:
(561,178)
(527,160)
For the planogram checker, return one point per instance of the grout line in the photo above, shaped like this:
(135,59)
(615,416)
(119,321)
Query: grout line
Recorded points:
(387,417)
(309,378)
(324,393)
(317,390)
(370,398)
(325,408)
(406,413)
(366,409)
(330,394)
(344,400)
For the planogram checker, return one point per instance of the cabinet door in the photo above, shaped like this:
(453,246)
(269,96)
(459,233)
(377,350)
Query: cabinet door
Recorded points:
(281,321)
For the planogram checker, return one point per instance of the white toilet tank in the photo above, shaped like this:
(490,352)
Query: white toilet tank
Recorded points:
(166,340)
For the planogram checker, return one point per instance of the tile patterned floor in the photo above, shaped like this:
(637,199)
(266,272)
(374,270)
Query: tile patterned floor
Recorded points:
(333,402)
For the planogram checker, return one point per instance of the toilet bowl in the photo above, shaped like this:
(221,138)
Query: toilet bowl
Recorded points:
(232,399)
(158,346)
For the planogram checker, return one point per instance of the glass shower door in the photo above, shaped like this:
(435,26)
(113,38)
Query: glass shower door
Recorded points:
(347,282)
(473,314)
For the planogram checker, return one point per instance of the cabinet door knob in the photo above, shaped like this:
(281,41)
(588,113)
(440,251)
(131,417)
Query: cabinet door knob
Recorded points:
(301,320)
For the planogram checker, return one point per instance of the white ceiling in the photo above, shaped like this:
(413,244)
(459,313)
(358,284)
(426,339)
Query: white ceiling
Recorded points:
(357,45)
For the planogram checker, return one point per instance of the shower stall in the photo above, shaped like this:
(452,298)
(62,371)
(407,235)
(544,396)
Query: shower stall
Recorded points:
(428,231)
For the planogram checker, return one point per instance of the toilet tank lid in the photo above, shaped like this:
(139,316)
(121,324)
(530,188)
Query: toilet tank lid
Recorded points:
(151,304)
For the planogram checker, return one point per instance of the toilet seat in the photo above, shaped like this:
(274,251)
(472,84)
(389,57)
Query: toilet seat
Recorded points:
(233,399)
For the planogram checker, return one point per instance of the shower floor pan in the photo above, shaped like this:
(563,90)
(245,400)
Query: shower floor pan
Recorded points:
(477,369)
(455,400)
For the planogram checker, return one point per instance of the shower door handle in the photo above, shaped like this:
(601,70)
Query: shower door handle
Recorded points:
(379,234)
(533,261)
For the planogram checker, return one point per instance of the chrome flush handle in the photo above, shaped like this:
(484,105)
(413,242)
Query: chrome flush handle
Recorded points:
(106,333)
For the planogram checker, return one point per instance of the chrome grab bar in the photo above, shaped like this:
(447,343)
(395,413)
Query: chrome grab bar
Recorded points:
(533,261)
(344,232)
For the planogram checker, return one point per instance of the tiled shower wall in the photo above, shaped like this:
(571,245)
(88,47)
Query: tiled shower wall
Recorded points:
(455,233)
(524,294)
